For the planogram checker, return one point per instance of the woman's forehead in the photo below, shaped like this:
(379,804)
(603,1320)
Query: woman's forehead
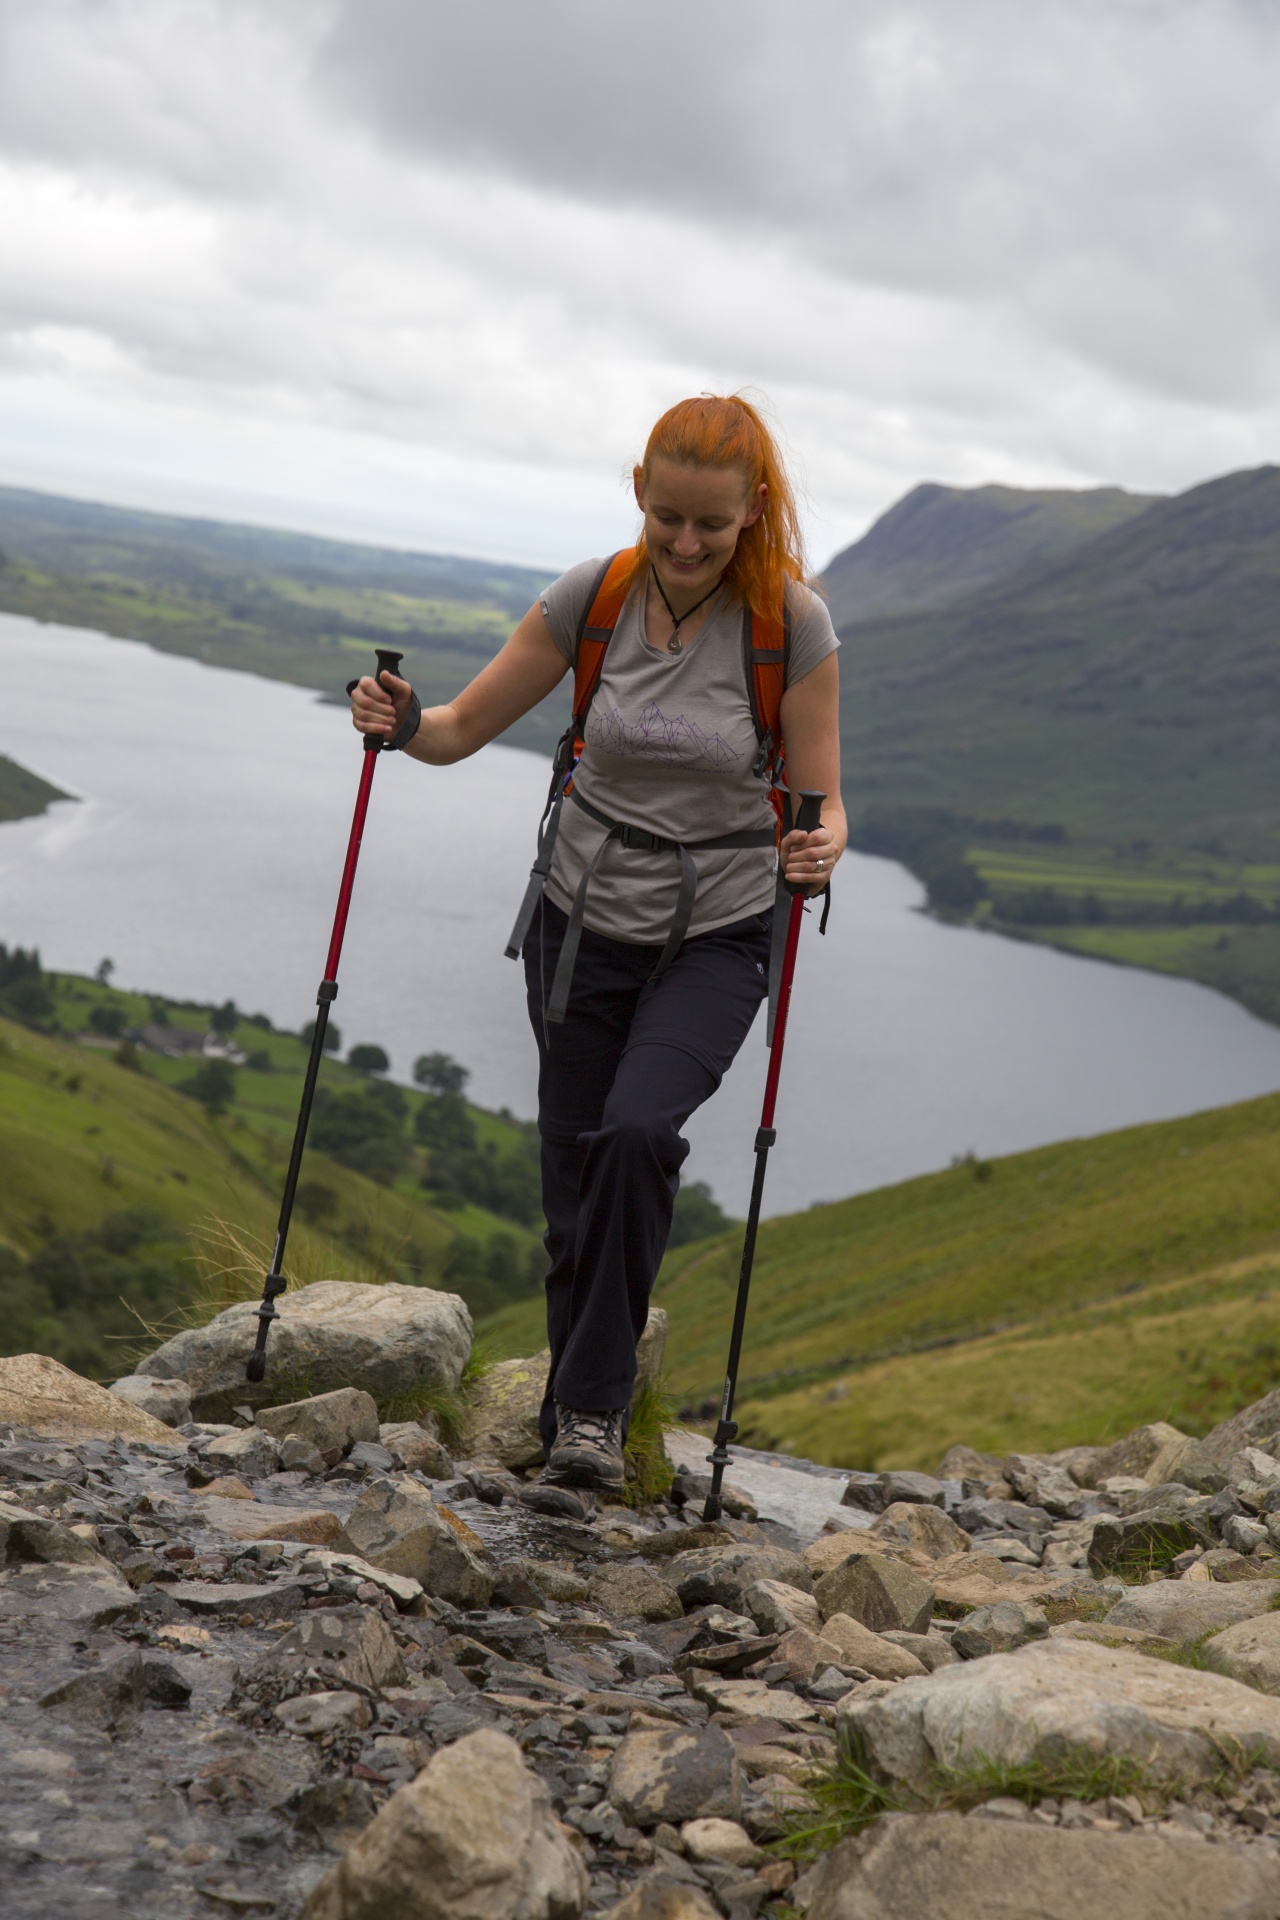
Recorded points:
(695,490)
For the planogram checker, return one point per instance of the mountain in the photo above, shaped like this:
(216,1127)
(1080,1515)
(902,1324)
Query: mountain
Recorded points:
(941,544)
(1046,1299)
(1092,740)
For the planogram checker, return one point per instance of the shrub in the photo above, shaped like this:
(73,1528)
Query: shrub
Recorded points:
(696,1215)
(440,1073)
(108,1020)
(505,1184)
(259,1061)
(363,1128)
(332,1037)
(69,1300)
(24,992)
(442,1120)
(213,1084)
(368,1059)
(225,1018)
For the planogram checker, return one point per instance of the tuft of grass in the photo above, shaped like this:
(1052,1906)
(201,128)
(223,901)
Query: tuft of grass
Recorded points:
(649,1471)
(449,1405)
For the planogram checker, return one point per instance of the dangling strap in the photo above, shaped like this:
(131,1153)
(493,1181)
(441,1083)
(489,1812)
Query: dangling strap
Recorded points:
(548,829)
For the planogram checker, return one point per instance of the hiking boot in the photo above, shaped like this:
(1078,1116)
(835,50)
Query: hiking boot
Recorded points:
(587,1451)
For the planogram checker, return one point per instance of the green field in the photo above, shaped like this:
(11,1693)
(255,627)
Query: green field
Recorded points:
(103,1158)
(1048,1299)
(23,794)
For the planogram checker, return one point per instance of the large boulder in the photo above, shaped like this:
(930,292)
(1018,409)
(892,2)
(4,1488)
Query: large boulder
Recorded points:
(397,1526)
(472,1838)
(38,1392)
(389,1340)
(948,1868)
(1254,1425)
(1057,1699)
(501,1424)
(1248,1651)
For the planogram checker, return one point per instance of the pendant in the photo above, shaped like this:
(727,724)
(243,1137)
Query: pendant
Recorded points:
(673,644)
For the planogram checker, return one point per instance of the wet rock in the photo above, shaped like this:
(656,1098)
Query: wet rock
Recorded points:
(999,1629)
(229,1599)
(166,1400)
(251,1453)
(399,1527)
(313,1715)
(775,1607)
(676,1775)
(877,1591)
(472,1838)
(883,1659)
(1131,1544)
(350,1645)
(396,1586)
(925,1529)
(251,1519)
(39,1393)
(1184,1610)
(34,1536)
(633,1593)
(388,1339)
(501,1424)
(327,1420)
(334,1809)
(908,1866)
(1058,1696)
(690,1488)
(299,1456)
(723,1574)
(80,1596)
(890,1489)
(421,1450)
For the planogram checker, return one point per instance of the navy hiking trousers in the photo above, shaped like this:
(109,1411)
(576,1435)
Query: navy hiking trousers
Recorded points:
(616,1082)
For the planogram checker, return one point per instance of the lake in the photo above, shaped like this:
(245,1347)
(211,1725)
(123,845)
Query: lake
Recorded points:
(203,857)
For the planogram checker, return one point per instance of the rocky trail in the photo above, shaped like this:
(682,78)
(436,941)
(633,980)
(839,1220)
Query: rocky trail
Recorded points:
(300,1662)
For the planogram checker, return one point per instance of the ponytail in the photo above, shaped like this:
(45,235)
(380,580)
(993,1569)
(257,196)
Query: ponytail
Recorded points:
(727,431)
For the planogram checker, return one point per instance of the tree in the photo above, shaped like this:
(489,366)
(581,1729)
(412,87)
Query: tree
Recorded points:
(103,971)
(442,1120)
(363,1128)
(367,1058)
(24,991)
(332,1037)
(213,1084)
(225,1018)
(696,1216)
(108,1020)
(440,1073)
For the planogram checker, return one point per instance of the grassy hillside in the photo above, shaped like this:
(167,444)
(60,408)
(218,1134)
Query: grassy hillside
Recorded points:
(1082,753)
(286,605)
(1048,1299)
(117,1186)
(23,794)
(940,544)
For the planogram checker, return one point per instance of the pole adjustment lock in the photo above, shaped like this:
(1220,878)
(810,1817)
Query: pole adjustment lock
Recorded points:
(326,992)
(765,1138)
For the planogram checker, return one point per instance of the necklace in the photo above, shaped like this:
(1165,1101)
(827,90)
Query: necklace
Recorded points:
(674,644)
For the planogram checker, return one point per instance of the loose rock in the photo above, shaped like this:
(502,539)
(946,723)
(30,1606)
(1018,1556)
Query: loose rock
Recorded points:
(327,1420)
(39,1393)
(999,1629)
(776,1607)
(676,1775)
(633,1593)
(925,1529)
(252,1454)
(718,1840)
(722,1575)
(397,1526)
(165,1400)
(1248,1651)
(860,1647)
(879,1592)
(351,1645)
(313,1715)
(1184,1610)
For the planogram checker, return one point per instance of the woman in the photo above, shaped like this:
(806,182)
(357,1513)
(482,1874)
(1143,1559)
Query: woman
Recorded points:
(647,949)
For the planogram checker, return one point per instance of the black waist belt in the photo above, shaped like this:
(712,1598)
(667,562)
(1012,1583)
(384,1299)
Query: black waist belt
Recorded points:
(637,840)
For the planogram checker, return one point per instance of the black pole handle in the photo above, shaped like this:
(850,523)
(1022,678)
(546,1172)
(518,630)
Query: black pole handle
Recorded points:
(808,819)
(388,662)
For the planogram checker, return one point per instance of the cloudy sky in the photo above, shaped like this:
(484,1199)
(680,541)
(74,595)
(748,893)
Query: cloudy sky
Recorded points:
(426,271)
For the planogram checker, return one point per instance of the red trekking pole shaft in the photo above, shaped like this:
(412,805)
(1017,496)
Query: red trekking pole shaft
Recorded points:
(808,818)
(326,994)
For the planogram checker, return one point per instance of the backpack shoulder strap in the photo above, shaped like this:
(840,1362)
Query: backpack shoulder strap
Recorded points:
(595,629)
(766,660)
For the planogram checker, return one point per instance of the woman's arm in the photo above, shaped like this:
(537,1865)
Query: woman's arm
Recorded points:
(524,672)
(811,729)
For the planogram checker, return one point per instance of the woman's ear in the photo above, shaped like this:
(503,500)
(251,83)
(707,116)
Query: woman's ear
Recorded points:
(637,482)
(757,506)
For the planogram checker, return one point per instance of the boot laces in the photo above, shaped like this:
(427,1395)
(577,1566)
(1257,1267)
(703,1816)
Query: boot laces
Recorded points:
(598,1429)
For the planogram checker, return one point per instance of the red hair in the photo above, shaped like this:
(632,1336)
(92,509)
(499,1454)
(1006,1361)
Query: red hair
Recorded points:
(727,431)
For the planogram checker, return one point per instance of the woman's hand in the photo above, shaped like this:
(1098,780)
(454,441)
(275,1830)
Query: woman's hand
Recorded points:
(807,858)
(380,708)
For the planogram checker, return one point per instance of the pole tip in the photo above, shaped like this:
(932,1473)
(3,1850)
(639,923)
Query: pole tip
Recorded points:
(711,1511)
(255,1367)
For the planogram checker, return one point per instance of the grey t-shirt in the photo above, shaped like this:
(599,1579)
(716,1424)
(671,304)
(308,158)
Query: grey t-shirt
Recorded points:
(669,746)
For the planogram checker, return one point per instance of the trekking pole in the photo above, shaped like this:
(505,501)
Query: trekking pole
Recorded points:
(807,820)
(327,993)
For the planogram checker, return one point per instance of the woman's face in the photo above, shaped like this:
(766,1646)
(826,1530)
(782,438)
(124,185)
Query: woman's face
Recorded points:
(692,519)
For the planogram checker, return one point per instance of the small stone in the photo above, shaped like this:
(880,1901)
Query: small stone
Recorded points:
(351,1645)
(883,1659)
(633,1593)
(659,1897)
(315,1714)
(165,1400)
(334,1808)
(675,1775)
(369,1457)
(420,1448)
(689,1488)
(999,1629)
(924,1528)
(775,1607)
(1043,1483)
(300,1456)
(721,1575)
(1243,1534)
(877,1591)
(399,1527)
(721,1841)
(473,1836)
(802,1655)
(250,1453)
(34,1536)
